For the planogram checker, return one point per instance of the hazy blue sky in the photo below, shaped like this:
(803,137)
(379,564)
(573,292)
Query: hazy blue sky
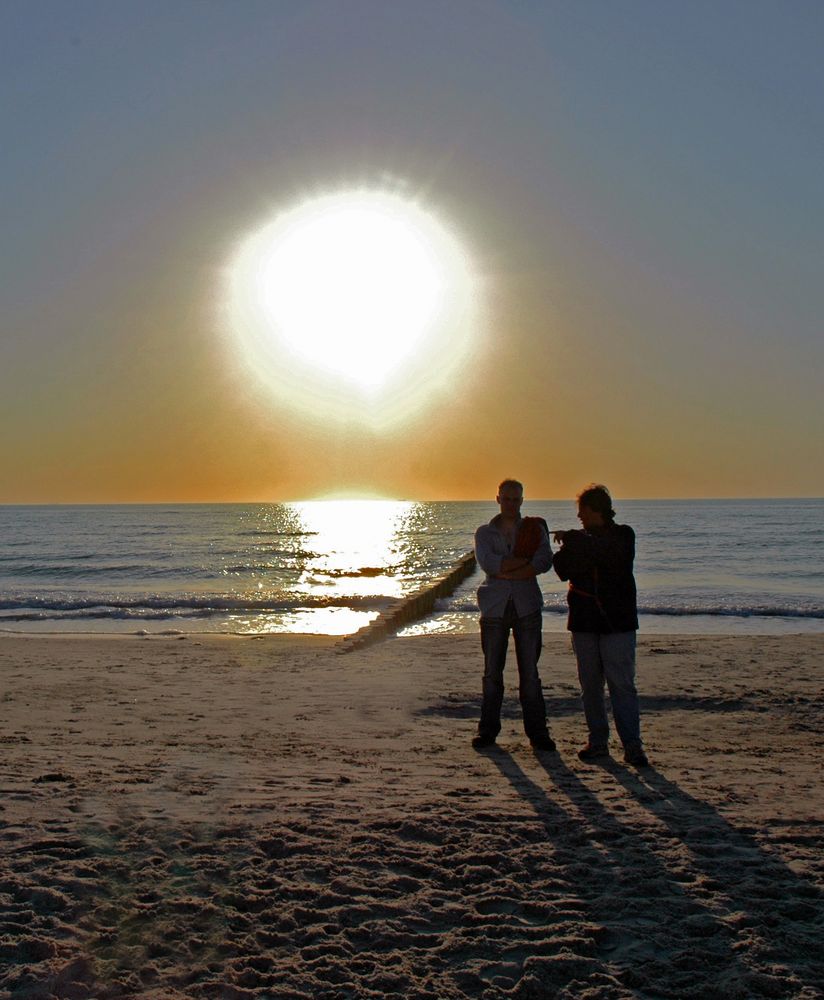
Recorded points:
(641,185)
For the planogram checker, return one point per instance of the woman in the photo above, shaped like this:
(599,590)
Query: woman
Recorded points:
(603,619)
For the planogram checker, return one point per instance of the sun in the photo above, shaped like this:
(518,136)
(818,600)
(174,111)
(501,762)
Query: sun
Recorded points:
(351,284)
(353,295)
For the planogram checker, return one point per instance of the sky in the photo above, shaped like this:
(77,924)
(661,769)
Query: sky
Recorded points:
(637,189)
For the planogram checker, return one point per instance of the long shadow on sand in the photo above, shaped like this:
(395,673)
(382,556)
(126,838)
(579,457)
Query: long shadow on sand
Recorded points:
(764,899)
(669,930)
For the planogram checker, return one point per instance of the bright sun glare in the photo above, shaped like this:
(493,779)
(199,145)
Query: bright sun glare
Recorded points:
(360,297)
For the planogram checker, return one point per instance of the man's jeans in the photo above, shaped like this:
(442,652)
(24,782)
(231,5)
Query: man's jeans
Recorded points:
(609,657)
(494,641)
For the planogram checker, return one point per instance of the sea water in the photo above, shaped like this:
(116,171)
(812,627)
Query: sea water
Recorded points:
(330,567)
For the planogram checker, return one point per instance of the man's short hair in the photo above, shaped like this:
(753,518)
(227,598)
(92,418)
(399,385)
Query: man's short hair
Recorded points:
(597,498)
(510,482)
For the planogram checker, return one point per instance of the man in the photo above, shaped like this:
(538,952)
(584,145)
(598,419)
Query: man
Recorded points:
(603,619)
(512,551)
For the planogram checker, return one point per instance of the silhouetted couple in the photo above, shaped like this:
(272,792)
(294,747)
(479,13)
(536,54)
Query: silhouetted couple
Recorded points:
(597,560)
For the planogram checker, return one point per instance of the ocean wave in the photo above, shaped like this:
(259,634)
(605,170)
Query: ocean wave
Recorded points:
(62,570)
(734,611)
(319,573)
(36,608)
(101,614)
(271,533)
(69,558)
(239,569)
(671,610)
(113,575)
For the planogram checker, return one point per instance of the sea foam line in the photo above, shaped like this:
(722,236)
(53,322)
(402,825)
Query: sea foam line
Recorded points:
(211,603)
(670,610)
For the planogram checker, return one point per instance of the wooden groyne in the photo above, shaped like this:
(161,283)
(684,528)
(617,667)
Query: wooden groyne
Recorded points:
(410,608)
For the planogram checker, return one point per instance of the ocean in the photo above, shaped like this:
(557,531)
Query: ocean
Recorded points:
(330,567)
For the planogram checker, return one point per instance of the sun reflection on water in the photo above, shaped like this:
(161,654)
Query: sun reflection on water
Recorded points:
(350,549)
(309,621)
(353,546)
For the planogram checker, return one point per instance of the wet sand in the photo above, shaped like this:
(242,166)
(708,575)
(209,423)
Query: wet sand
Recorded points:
(262,817)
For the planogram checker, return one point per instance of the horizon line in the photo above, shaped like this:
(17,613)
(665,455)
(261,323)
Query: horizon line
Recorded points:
(371,499)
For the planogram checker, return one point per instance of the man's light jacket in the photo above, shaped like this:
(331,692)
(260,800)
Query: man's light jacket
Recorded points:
(491,547)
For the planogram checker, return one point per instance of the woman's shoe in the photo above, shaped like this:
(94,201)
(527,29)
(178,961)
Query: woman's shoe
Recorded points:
(635,755)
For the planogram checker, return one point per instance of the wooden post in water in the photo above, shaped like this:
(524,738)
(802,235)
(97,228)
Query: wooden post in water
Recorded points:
(410,608)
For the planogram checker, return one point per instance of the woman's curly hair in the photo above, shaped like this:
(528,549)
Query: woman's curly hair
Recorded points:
(597,498)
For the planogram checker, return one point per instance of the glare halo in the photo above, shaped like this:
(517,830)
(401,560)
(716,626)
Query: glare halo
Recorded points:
(356,302)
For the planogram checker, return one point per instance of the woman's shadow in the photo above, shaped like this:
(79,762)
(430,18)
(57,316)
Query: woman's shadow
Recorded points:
(763,897)
(685,897)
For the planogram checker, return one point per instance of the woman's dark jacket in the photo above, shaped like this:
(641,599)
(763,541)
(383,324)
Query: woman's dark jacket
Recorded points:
(598,565)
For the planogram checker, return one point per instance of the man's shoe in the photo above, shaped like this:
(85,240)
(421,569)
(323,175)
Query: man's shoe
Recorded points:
(481,742)
(635,755)
(543,743)
(590,752)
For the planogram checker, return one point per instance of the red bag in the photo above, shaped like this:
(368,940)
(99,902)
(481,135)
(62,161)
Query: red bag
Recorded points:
(530,535)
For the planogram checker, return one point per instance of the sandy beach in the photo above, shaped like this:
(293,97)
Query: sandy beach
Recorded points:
(263,817)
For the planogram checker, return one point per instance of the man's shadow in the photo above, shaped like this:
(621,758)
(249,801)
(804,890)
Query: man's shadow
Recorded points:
(668,909)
